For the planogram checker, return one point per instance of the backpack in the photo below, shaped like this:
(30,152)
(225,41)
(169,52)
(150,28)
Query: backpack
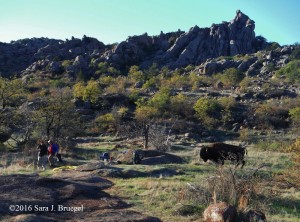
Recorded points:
(136,157)
(105,155)
(55,148)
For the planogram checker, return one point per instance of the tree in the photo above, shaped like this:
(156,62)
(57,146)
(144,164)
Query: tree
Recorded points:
(152,71)
(161,100)
(291,71)
(106,122)
(89,92)
(79,90)
(295,116)
(180,105)
(135,74)
(10,91)
(296,52)
(231,77)
(56,116)
(145,116)
(228,105)
(208,111)
(92,91)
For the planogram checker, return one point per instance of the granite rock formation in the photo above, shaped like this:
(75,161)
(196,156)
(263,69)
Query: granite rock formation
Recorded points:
(174,49)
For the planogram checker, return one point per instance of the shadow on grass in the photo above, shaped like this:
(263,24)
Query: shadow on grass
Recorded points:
(285,206)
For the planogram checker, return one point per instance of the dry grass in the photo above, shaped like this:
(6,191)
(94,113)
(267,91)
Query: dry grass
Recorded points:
(164,196)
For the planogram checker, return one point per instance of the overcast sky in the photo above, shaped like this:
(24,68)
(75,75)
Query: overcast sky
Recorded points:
(113,21)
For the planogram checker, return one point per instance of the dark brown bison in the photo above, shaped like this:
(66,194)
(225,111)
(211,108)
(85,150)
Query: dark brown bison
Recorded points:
(219,152)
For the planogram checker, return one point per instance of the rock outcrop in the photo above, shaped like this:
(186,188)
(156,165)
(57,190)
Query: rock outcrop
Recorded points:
(82,194)
(192,47)
(174,49)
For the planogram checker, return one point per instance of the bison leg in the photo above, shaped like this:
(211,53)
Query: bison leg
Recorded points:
(243,163)
(238,163)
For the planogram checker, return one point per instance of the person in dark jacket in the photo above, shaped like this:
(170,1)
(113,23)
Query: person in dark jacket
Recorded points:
(42,155)
(136,158)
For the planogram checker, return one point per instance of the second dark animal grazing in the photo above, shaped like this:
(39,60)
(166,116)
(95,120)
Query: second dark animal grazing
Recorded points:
(219,152)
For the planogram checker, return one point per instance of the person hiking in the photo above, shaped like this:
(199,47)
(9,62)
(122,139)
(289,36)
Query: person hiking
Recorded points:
(105,157)
(42,155)
(53,150)
(136,158)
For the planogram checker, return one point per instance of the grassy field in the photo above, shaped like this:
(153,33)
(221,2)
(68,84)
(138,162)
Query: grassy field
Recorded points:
(181,192)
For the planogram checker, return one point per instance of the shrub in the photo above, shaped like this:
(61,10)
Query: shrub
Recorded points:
(179,105)
(105,122)
(102,67)
(135,74)
(228,105)
(118,85)
(272,46)
(291,71)
(66,63)
(196,81)
(294,171)
(270,116)
(295,116)
(296,52)
(208,111)
(150,84)
(161,100)
(89,92)
(230,77)
(145,113)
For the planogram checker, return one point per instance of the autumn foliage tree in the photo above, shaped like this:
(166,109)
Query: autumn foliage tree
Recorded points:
(208,111)
(10,91)
(56,116)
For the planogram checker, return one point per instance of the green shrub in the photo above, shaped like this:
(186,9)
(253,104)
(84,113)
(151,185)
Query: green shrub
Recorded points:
(145,113)
(296,52)
(89,92)
(269,116)
(105,122)
(135,74)
(161,100)
(230,77)
(295,116)
(228,105)
(291,71)
(66,63)
(180,105)
(208,111)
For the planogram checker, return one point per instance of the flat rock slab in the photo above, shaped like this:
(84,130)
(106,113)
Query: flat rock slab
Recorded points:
(38,198)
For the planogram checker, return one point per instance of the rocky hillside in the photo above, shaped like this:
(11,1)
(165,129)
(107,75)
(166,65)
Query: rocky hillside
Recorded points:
(173,50)
(164,76)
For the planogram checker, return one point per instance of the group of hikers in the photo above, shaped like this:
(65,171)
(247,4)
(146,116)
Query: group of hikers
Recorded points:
(48,154)
(136,157)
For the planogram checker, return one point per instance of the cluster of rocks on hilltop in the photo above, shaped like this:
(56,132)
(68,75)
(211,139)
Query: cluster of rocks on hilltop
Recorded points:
(198,46)
(260,64)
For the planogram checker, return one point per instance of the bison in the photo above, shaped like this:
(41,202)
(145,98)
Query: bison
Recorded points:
(219,152)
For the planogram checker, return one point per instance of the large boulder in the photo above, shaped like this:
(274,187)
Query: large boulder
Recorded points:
(220,212)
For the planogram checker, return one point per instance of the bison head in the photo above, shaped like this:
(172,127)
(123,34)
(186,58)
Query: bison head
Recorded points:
(204,153)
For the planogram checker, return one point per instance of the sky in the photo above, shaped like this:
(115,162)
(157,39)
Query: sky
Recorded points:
(112,21)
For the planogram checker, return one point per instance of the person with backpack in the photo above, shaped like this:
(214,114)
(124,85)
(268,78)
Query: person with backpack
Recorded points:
(136,158)
(105,156)
(42,155)
(53,150)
